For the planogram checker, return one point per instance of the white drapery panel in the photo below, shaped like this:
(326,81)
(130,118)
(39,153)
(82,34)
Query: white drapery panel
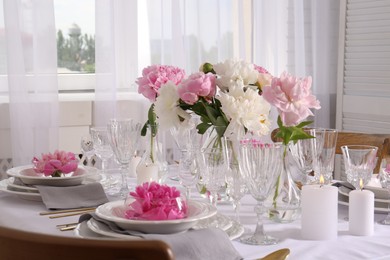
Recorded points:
(30,38)
(303,40)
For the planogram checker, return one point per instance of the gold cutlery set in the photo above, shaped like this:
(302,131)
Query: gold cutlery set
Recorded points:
(67,213)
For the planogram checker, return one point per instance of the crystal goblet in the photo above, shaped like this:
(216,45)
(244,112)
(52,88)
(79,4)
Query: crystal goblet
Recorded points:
(86,145)
(188,169)
(123,136)
(323,152)
(261,165)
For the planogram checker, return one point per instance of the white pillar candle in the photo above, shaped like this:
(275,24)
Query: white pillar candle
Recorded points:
(133,166)
(319,212)
(361,212)
(147,173)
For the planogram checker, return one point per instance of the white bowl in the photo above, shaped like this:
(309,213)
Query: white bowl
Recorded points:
(28,176)
(114,211)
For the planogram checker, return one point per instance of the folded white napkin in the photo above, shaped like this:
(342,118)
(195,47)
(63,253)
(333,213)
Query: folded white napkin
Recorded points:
(88,195)
(208,243)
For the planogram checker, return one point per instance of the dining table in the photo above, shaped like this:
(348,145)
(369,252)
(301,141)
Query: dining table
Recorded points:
(20,213)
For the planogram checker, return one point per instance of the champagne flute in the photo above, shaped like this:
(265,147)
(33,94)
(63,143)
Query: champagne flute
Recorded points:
(123,137)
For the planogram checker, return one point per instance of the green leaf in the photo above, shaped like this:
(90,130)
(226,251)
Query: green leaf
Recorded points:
(304,123)
(212,114)
(144,128)
(151,115)
(202,128)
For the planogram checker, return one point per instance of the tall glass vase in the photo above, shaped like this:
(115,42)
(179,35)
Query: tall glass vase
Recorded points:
(152,166)
(284,201)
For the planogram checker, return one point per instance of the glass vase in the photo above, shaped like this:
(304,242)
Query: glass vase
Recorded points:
(284,201)
(152,166)
(213,139)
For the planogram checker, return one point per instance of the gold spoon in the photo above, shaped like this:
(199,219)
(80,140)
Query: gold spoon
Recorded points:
(280,254)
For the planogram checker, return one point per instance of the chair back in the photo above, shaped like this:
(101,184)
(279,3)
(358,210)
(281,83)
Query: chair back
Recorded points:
(19,245)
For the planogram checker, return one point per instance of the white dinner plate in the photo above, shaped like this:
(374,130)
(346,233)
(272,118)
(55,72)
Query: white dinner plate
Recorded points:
(16,183)
(83,231)
(29,176)
(22,194)
(114,211)
(218,220)
(379,207)
(381,195)
(234,230)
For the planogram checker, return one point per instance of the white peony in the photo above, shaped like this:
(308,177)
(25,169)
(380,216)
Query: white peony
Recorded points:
(233,72)
(167,109)
(245,109)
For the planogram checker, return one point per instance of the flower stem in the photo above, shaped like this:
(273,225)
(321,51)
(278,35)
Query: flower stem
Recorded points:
(276,194)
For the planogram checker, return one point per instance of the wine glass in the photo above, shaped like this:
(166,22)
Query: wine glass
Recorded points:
(385,182)
(301,152)
(323,149)
(123,136)
(359,161)
(103,149)
(188,169)
(86,144)
(213,167)
(236,187)
(261,165)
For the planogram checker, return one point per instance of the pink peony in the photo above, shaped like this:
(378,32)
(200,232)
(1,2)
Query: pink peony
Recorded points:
(56,163)
(197,85)
(156,202)
(261,69)
(292,97)
(153,77)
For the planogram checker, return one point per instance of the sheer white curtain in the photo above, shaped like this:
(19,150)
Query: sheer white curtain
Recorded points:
(300,37)
(31,85)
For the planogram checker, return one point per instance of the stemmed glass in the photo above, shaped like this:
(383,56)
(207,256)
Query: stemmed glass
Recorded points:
(359,161)
(213,167)
(385,182)
(86,144)
(123,136)
(261,165)
(301,153)
(236,187)
(323,150)
(102,148)
(188,169)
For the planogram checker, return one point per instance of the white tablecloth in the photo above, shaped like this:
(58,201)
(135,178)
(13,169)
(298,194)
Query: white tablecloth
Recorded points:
(24,214)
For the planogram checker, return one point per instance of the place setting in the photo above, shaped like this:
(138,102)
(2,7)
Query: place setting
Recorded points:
(51,177)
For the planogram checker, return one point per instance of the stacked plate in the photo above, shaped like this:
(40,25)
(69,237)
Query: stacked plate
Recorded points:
(200,215)
(382,197)
(23,179)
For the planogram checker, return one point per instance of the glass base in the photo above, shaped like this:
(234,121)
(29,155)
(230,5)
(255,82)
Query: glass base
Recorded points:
(259,240)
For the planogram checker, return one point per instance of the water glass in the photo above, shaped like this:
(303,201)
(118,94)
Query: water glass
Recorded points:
(102,147)
(261,166)
(359,161)
(124,136)
(188,169)
(323,152)
(302,154)
(385,182)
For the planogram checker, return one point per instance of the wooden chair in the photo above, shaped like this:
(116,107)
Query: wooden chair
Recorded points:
(382,141)
(21,245)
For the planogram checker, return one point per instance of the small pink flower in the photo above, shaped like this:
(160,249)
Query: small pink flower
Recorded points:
(197,85)
(58,162)
(292,97)
(153,77)
(156,202)
(261,69)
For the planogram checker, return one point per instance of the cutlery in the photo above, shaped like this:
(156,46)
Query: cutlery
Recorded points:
(65,211)
(67,225)
(68,228)
(72,214)
(280,254)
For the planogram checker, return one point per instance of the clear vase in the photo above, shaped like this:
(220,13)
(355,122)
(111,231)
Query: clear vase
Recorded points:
(212,140)
(285,199)
(152,166)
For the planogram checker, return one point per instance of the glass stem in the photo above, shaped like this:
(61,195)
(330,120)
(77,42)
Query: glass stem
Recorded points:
(124,189)
(259,232)
(104,165)
(237,206)
(213,198)
(188,190)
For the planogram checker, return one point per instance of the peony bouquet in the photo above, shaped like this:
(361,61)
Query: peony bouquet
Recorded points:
(153,201)
(56,164)
(226,95)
